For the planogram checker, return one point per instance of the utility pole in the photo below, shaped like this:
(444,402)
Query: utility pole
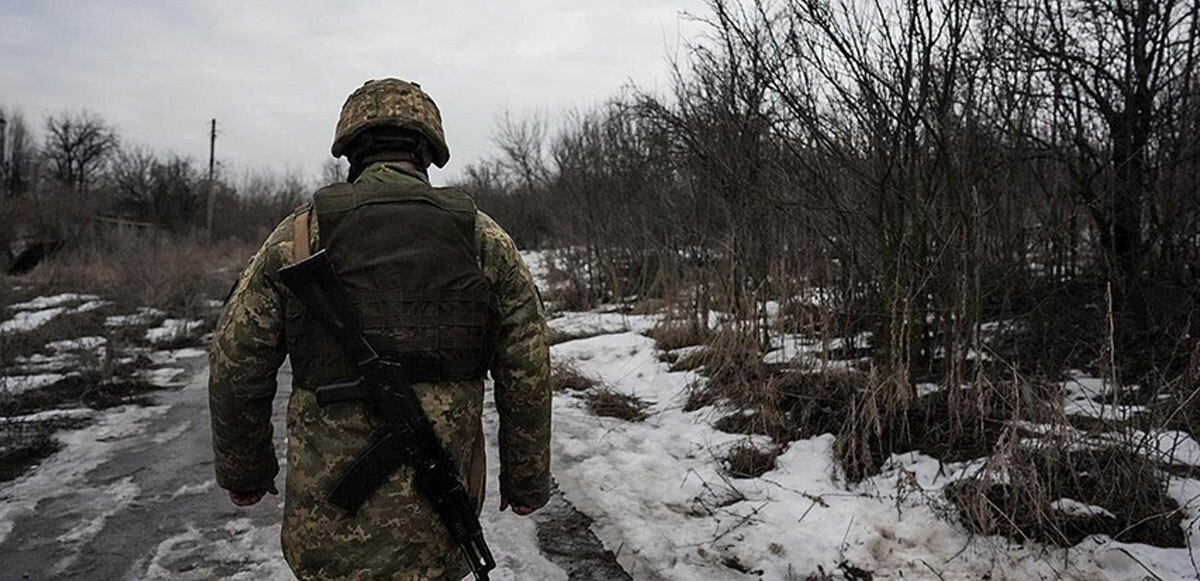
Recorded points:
(212,148)
(3,151)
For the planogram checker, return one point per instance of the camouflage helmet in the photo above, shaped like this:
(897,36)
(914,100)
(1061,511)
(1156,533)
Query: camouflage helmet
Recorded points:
(391,103)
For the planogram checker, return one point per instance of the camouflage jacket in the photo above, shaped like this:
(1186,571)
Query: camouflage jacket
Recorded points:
(395,535)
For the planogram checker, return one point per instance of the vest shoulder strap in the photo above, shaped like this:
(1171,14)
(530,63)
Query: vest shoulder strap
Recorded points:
(300,243)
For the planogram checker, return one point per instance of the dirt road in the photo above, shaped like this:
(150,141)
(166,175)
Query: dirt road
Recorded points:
(132,496)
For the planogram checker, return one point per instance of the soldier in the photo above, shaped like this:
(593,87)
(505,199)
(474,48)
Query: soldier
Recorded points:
(438,286)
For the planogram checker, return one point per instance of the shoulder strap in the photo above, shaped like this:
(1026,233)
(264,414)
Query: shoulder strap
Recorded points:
(300,249)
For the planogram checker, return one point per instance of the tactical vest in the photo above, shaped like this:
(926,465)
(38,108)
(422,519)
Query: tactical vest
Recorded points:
(407,256)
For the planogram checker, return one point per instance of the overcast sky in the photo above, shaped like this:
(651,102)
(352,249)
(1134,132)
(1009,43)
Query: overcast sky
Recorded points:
(275,74)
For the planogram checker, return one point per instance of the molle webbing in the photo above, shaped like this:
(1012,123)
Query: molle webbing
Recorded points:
(408,258)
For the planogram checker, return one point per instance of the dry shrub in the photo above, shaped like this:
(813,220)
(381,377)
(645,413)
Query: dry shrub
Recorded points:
(671,335)
(93,388)
(177,275)
(567,282)
(886,417)
(746,460)
(727,351)
(555,336)
(789,404)
(23,444)
(65,326)
(1019,505)
(648,306)
(567,377)
(872,419)
(607,402)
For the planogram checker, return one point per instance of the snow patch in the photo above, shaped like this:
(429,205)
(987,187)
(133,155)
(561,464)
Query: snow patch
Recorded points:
(657,493)
(194,489)
(80,344)
(51,415)
(110,500)
(43,303)
(143,316)
(162,377)
(593,323)
(1072,507)
(30,320)
(18,384)
(174,355)
(65,472)
(172,329)
(1084,396)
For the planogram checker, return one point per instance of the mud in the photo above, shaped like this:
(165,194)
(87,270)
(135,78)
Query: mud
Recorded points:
(565,537)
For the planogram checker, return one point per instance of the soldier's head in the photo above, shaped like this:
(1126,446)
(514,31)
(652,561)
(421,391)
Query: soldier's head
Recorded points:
(390,120)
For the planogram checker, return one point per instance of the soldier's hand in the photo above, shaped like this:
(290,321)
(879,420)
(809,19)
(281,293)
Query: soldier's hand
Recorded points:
(516,508)
(251,497)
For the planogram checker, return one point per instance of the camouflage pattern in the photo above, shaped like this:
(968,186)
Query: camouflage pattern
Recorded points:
(395,535)
(394,103)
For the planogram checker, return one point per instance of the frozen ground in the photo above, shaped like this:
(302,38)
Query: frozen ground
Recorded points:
(657,491)
(131,496)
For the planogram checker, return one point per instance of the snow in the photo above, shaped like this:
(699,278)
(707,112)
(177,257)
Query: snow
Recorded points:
(656,489)
(38,363)
(43,303)
(168,357)
(33,314)
(18,384)
(1073,507)
(50,415)
(142,317)
(30,320)
(595,323)
(1083,396)
(65,473)
(657,493)
(804,350)
(80,344)
(172,329)
(256,550)
(90,306)
(110,500)
(538,262)
(162,377)
(513,539)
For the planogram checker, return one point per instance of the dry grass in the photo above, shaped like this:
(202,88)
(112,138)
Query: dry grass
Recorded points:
(1126,484)
(746,460)
(23,444)
(672,335)
(727,350)
(567,377)
(604,401)
(555,336)
(65,326)
(175,275)
(567,286)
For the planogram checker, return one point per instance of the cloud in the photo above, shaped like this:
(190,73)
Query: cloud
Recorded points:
(274,74)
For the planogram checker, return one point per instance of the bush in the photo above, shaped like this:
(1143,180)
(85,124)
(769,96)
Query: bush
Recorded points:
(607,402)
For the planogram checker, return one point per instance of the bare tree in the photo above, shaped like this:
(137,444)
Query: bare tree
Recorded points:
(77,145)
(18,167)
(334,171)
(132,176)
(1118,84)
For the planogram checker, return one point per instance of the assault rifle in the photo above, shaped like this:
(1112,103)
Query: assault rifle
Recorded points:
(403,434)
